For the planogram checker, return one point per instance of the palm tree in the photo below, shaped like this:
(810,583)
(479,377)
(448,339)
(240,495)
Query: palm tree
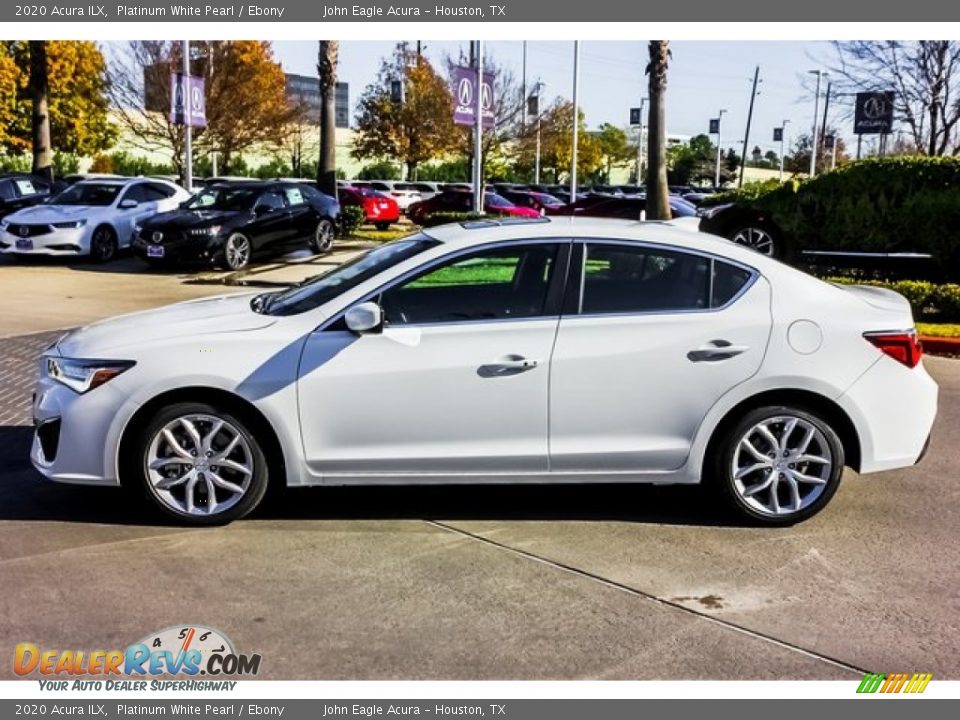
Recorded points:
(327,58)
(40,120)
(658,203)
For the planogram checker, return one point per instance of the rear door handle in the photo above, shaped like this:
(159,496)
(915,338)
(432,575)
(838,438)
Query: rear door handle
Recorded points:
(716,350)
(507,365)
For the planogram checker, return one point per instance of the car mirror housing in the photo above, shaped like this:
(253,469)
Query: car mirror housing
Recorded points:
(364,318)
(127,204)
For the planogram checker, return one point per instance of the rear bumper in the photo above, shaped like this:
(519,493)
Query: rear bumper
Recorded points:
(893,409)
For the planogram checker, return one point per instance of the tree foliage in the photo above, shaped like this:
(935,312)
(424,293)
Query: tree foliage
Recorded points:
(416,130)
(556,144)
(77,97)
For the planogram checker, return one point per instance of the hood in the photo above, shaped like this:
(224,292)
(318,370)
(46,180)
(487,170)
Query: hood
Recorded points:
(188,219)
(45,214)
(199,318)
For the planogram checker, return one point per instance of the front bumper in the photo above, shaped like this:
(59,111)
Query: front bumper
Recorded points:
(184,249)
(61,242)
(70,433)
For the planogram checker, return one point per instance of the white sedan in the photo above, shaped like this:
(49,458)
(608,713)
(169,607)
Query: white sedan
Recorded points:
(573,350)
(90,218)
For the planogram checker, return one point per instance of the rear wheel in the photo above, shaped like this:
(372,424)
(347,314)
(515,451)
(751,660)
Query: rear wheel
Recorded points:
(322,240)
(760,239)
(779,465)
(200,465)
(103,244)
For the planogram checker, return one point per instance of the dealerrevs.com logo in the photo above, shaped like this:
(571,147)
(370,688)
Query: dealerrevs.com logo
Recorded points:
(188,650)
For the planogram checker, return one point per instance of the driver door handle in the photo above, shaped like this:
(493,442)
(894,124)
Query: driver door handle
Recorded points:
(716,350)
(507,365)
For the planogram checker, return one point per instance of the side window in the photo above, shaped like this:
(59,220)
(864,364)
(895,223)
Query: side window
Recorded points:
(728,280)
(29,188)
(271,199)
(135,192)
(490,285)
(621,279)
(294,196)
(156,191)
(6,191)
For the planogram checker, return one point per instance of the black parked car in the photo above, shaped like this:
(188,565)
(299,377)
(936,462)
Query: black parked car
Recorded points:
(20,190)
(230,223)
(625,208)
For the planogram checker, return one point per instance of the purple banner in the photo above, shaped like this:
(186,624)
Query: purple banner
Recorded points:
(187,100)
(465,96)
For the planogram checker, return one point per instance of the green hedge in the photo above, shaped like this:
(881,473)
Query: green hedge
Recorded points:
(449,216)
(874,205)
(351,217)
(931,302)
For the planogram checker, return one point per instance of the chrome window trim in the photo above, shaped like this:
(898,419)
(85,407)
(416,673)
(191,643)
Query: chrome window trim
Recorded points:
(712,257)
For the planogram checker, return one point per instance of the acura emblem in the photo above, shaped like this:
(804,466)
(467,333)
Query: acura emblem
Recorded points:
(157,236)
(24,231)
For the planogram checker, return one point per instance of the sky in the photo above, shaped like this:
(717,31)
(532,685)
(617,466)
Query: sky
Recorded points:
(703,78)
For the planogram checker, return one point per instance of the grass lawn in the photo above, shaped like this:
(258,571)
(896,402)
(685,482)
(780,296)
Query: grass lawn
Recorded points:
(370,234)
(939,330)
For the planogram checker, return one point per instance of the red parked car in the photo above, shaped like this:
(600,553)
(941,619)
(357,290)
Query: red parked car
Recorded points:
(462,201)
(379,209)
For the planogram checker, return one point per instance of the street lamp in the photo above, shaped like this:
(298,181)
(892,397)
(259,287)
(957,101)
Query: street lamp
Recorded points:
(536,96)
(816,111)
(716,180)
(643,101)
(783,133)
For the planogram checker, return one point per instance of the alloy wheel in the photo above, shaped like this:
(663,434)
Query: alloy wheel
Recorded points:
(102,245)
(757,239)
(323,236)
(781,465)
(237,251)
(199,464)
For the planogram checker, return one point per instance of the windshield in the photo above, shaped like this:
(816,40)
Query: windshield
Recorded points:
(98,194)
(681,208)
(494,200)
(324,288)
(224,198)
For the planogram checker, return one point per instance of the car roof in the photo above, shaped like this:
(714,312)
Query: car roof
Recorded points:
(481,232)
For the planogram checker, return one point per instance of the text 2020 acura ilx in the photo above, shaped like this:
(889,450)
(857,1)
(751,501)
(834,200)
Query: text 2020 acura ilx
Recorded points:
(575,350)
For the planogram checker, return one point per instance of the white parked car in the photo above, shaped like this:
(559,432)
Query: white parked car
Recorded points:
(564,350)
(91,217)
(401,192)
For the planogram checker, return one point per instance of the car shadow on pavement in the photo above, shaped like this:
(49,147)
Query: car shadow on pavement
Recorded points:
(26,496)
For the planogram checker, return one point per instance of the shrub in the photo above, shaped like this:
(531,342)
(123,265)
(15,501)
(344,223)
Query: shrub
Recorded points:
(896,204)
(449,216)
(929,301)
(380,170)
(351,217)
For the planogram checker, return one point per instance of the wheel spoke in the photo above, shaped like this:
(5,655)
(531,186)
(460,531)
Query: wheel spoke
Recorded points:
(166,461)
(752,450)
(751,491)
(816,459)
(188,494)
(765,433)
(167,483)
(794,491)
(788,429)
(747,469)
(211,436)
(774,486)
(222,454)
(233,465)
(175,445)
(806,478)
(191,429)
(211,495)
(225,484)
(807,439)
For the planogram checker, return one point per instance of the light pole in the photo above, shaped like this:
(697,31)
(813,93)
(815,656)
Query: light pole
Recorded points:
(816,111)
(643,101)
(576,121)
(478,135)
(716,179)
(187,129)
(536,166)
(783,133)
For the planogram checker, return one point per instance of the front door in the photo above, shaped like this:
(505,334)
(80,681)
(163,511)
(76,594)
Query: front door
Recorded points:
(455,384)
(653,340)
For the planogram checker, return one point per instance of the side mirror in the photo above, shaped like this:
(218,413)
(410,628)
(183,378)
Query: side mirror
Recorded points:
(364,318)
(128,204)
(261,210)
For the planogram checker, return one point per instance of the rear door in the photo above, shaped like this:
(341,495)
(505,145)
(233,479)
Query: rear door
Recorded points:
(650,339)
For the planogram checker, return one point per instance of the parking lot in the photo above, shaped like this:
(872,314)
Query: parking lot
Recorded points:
(470,582)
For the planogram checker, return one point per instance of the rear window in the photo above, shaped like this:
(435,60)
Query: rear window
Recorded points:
(728,281)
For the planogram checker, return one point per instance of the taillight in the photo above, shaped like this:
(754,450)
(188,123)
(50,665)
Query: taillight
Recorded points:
(904,347)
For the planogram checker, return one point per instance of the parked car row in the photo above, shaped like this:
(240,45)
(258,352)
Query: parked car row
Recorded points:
(227,223)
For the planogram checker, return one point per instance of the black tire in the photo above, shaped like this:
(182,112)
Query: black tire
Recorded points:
(762,238)
(103,244)
(827,443)
(382,225)
(322,241)
(138,475)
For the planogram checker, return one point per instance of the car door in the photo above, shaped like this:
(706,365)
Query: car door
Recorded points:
(455,384)
(270,227)
(127,218)
(303,217)
(649,341)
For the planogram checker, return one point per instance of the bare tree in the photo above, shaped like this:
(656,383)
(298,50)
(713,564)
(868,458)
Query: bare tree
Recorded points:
(328,55)
(40,124)
(925,77)
(658,201)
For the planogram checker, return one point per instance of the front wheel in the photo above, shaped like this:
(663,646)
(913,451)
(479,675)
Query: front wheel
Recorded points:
(200,465)
(382,225)
(103,244)
(322,240)
(779,465)
(237,251)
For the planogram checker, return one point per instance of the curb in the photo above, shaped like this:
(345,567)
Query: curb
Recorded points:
(949,347)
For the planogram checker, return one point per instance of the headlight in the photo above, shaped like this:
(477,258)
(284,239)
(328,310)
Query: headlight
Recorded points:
(72,225)
(4,224)
(709,212)
(212,230)
(85,375)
